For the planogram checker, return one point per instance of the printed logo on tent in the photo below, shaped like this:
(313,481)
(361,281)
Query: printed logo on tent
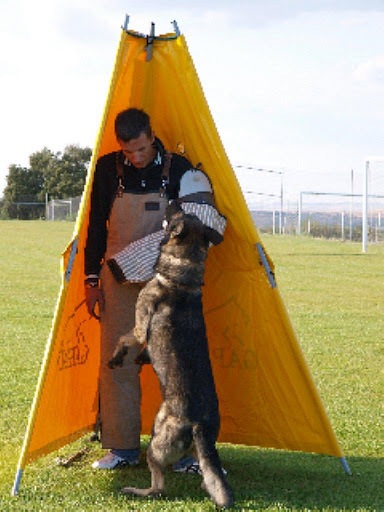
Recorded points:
(230,348)
(73,348)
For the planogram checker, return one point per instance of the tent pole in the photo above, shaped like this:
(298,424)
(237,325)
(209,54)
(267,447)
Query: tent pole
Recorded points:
(16,485)
(62,294)
(126,22)
(344,463)
(39,389)
(176,28)
(149,45)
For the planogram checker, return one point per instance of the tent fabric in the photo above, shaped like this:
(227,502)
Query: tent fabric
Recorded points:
(266,393)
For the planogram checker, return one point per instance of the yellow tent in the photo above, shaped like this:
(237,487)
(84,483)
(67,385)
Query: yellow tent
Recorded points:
(266,393)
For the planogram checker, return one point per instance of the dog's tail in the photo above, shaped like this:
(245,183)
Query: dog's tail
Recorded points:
(214,480)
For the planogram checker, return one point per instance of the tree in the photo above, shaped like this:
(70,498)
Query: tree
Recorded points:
(24,186)
(72,171)
(44,162)
(60,175)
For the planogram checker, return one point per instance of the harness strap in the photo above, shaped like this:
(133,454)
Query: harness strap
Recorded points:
(120,175)
(164,175)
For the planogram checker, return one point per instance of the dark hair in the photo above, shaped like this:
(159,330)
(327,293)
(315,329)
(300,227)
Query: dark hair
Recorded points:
(131,123)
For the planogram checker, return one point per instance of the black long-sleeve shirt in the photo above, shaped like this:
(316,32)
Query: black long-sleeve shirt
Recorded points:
(104,191)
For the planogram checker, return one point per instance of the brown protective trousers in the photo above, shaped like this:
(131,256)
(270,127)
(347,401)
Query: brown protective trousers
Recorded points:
(133,216)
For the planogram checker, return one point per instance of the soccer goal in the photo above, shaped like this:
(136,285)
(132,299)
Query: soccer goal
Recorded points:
(63,209)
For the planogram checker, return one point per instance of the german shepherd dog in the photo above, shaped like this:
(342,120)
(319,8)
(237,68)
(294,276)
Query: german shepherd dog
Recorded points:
(169,319)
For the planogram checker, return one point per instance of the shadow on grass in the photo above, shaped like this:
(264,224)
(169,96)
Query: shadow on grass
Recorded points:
(308,481)
(332,254)
(263,479)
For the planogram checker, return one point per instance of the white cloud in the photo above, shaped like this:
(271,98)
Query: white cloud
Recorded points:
(371,71)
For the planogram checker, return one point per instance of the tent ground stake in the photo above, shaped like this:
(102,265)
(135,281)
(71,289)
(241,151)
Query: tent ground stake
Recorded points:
(344,463)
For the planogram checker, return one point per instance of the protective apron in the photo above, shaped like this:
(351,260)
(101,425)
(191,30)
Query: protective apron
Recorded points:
(132,217)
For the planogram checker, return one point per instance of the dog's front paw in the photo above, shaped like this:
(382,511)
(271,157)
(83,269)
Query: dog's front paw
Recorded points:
(121,349)
(118,356)
(143,357)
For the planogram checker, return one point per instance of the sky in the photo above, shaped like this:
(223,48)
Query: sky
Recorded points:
(294,86)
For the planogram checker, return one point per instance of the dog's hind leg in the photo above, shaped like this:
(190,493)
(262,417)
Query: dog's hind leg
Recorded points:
(157,459)
(170,440)
(214,480)
(157,488)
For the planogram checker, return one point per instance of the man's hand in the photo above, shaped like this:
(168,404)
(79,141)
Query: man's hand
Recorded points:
(94,296)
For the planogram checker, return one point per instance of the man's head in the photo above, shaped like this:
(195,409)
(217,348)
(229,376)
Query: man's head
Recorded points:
(135,136)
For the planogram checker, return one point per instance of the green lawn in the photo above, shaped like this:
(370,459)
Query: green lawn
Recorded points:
(335,297)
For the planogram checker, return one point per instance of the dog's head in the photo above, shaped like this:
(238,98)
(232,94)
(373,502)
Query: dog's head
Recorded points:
(179,225)
(184,249)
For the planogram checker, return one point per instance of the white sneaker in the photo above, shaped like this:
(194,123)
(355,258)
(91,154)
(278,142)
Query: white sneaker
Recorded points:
(193,468)
(112,461)
(188,468)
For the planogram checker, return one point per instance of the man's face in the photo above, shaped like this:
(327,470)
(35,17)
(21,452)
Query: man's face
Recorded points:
(140,151)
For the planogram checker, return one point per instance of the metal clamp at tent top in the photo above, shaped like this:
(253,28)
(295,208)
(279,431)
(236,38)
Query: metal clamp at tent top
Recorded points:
(151,36)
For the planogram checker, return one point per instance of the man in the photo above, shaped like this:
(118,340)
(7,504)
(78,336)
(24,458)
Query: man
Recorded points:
(130,191)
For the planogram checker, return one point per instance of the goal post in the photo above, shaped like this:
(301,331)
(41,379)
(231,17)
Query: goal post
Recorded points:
(368,163)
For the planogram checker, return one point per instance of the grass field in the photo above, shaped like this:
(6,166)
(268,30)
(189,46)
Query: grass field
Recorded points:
(335,297)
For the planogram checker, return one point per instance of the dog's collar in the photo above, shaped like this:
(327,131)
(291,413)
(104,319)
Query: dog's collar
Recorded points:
(170,282)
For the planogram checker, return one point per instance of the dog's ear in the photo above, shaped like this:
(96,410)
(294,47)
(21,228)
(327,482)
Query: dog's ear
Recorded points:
(213,236)
(172,208)
(177,229)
